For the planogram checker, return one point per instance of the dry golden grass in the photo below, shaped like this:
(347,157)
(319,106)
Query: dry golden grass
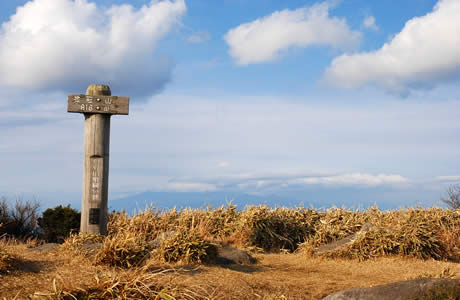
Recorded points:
(55,275)
(124,249)
(5,258)
(131,263)
(423,233)
(186,247)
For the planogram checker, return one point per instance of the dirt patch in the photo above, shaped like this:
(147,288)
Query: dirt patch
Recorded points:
(275,276)
(45,247)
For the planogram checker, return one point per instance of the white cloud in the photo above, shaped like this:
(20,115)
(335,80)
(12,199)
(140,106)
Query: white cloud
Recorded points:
(199,37)
(425,52)
(264,39)
(269,142)
(51,44)
(449,178)
(270,181)
(189,187)
(369,22)
(355,179)
(260,183)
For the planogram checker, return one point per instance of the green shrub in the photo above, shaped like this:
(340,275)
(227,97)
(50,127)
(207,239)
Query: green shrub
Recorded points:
(57,223)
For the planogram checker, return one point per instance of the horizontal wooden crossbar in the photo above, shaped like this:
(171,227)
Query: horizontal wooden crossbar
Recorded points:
(112,105)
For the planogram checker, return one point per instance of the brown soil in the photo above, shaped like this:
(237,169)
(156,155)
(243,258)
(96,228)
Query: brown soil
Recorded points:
(275,276)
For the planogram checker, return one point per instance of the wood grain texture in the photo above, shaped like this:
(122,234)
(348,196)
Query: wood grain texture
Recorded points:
(95,169)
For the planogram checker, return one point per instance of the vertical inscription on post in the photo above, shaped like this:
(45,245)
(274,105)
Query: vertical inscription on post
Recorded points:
(98,105)
(96,168)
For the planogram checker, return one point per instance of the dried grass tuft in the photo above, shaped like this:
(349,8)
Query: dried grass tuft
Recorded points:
(421,233)
(6,260)
(133,240)
(278,228)
(186,247)
(136,285)
(81,243)
(124,249)
(415,232)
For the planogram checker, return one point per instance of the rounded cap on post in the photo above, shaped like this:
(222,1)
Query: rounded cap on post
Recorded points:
(98,90)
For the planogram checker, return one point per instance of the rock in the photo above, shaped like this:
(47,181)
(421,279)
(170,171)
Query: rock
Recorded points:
(426,288)
(336,245)
(227,255)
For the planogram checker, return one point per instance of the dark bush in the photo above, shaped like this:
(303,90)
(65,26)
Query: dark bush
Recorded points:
(57,223)
(21,220)
(4,212)
(453,197)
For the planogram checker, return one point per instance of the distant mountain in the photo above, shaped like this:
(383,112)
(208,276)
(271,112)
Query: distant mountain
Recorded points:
(168,200)
(319,197)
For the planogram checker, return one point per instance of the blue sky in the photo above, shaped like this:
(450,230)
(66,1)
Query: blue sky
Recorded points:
(301,99)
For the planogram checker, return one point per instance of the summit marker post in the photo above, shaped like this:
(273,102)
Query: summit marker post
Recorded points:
(97,105)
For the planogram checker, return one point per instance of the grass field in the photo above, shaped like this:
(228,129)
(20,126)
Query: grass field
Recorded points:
(398,245)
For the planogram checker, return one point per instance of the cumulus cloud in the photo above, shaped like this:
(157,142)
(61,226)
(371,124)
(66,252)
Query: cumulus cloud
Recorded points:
(264,39)
(369,22)
(424,53)
(199,37)
(51,44)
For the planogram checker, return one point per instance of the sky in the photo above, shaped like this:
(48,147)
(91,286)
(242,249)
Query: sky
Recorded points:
(301,99)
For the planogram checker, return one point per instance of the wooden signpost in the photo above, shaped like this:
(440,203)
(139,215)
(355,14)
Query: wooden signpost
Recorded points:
(97,106)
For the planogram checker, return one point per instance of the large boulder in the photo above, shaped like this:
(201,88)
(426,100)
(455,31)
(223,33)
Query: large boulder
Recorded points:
(426,288)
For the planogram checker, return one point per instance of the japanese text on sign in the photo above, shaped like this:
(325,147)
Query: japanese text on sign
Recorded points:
(98,104)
